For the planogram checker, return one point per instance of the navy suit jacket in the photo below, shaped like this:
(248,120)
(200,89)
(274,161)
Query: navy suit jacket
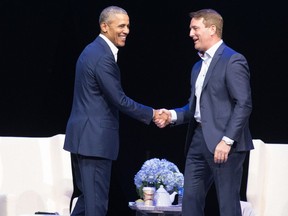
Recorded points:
(225,103)
(93,125)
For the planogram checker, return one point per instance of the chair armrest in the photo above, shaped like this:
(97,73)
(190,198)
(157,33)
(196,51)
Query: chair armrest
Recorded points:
(8,204)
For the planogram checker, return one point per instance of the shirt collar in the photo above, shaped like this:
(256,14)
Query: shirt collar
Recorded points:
(113,48)
(211,51)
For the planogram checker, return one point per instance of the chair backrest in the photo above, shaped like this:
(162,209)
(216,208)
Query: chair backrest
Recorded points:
(267,184)
(35,175)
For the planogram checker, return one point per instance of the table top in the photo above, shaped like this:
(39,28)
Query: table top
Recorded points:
(156,209)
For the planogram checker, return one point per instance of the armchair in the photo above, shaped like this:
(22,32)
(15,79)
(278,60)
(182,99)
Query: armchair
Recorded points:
(35,175)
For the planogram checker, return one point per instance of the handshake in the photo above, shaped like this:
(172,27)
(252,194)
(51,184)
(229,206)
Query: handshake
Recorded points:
(162,117)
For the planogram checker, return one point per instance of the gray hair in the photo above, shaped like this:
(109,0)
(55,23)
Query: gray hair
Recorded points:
(106,14)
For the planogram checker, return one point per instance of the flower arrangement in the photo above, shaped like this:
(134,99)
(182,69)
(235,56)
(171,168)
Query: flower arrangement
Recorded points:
(162,172)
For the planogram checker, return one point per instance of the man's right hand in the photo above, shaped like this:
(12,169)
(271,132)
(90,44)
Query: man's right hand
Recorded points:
(162,117)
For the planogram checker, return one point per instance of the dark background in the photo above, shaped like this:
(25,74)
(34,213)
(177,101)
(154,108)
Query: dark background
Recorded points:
(41,40)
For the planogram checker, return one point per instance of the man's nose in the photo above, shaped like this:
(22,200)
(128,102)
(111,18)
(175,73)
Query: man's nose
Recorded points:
(126,30)
(191,33)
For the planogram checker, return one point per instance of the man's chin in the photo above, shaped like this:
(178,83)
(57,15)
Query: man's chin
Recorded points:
(122,44)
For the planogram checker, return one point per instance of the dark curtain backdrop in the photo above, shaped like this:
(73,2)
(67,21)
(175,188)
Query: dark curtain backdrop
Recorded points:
(41,40)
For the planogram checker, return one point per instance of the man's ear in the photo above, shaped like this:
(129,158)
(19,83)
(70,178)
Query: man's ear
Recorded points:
(103,27)
(213,29)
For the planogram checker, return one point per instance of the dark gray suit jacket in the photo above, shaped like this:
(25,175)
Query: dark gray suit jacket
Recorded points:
(225,102)
(93,126)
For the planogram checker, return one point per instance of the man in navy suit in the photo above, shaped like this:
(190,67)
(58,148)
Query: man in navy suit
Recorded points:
(218,111)
(92,133)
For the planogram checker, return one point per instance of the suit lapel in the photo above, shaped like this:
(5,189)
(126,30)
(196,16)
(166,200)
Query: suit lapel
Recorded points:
(213,63)
(194,75)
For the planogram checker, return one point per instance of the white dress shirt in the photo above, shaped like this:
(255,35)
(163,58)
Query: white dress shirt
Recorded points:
(206,59)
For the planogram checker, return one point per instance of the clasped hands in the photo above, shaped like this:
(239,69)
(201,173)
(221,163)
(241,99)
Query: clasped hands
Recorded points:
(162,117)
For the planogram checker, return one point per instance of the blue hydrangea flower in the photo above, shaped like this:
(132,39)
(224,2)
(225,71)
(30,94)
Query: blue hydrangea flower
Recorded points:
(162,172)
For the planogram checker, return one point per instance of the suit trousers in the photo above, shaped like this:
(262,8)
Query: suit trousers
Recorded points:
(92,176)
(201,172)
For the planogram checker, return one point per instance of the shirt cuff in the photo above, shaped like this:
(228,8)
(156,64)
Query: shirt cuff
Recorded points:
(173,116)
(228,140)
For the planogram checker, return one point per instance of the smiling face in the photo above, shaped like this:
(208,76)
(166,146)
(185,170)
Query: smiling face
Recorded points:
(203,37)
(116,29)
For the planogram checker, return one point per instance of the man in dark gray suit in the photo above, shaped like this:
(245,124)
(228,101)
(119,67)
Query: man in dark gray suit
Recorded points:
(92,133)
(218,114)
